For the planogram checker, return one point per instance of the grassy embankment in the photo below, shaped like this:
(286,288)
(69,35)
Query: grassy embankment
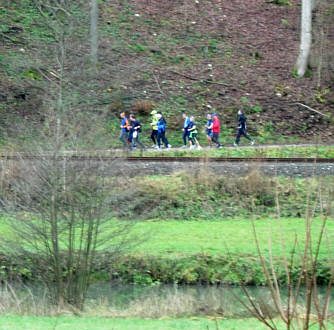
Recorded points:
(220,251)
(175,238)
(251,152)
(261,152)
(198,227)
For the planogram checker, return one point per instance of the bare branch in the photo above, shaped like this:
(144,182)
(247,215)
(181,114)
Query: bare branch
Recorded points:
(307,107)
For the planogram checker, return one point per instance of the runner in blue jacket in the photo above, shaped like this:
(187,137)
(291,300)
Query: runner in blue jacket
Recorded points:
(162,131)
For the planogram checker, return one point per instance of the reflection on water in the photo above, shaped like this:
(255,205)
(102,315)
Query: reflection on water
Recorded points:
(202,299)
(107,299)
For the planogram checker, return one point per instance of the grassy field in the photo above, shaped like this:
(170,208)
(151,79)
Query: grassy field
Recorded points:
(228,236)
(62,323)
(210,251)
(222,237)
(86,323)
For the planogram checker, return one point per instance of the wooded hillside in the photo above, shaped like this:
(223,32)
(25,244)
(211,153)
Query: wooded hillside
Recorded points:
(182,55)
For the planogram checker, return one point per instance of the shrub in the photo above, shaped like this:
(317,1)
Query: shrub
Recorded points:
(143,107)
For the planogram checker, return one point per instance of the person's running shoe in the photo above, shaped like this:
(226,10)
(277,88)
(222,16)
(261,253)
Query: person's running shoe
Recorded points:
(252,142)
(169,146)
(183,147)
(153,146)
(236,144)
(191,147)
(199,147)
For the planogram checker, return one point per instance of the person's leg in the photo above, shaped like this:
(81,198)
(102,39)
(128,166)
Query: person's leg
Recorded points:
(131,141)
(215,139)
(140,143)
(196,141)
(191,142)
(245,135)
(122,137)
(185,134)
(209,139)
(154,136)
(237,140)
(164,139)
(190,139)
(159,139)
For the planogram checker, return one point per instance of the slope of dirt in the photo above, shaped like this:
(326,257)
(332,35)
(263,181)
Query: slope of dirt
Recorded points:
(201,56)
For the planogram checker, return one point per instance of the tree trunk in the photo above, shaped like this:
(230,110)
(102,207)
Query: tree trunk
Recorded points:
(305,37)
(94,14)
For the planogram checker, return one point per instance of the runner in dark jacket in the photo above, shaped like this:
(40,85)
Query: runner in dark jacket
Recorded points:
(135,129)
(242,129)
(185,129)
(192,129)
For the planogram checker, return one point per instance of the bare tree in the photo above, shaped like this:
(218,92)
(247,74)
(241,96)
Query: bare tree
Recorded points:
(61,215)
(61,219)
(289,310)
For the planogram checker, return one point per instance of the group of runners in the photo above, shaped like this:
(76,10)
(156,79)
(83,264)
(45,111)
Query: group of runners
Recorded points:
(131,128)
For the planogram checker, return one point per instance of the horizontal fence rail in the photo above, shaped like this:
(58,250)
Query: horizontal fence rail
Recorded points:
(170,159)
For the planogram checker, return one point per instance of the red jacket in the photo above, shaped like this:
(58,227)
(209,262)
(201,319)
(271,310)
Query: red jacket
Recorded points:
(216,126)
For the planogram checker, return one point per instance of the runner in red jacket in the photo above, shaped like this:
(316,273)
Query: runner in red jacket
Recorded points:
(216,130)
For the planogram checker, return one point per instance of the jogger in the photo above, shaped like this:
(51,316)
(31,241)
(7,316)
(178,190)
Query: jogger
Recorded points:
(216,130)
(162,131)
(192,129)
(242,129)
(208,126)
(135,129)
(154,124)
(124,130)
(185,129)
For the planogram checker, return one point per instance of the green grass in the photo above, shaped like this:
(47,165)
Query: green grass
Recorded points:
(221,237)
(265,152)
(93,323)
(252,152)
(229,236)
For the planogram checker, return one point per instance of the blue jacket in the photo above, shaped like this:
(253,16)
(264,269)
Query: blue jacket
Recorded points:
(186,123)
(125,124)
(209,130)
(161,125)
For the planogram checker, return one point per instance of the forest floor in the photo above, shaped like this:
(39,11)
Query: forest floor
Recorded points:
(180,56)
